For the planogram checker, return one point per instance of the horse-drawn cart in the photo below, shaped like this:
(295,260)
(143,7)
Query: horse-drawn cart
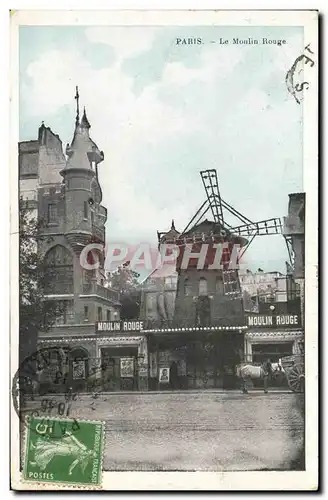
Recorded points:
(294,369)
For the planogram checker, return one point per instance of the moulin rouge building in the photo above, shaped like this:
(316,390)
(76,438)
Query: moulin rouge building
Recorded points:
(198,324)
(193,326)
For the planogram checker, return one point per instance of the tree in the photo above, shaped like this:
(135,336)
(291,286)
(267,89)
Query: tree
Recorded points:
(35,313)
(125,280)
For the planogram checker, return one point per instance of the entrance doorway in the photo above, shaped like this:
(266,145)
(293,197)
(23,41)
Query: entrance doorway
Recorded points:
(119,368)
(174,376)
(211,363)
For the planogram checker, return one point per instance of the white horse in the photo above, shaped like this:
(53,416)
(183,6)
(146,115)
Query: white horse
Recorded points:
(247,372)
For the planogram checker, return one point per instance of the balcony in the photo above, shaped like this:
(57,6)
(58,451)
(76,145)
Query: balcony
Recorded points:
(293,225)
(103,292)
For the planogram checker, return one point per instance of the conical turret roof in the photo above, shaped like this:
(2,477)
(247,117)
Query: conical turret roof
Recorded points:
(82,151)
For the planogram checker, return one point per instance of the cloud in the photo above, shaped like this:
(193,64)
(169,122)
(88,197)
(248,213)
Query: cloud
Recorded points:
(51,80)
(126,43)
(215,63)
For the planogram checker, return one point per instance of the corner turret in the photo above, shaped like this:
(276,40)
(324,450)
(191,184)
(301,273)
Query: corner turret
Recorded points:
(85,216)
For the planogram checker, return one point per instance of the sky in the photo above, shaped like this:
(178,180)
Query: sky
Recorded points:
(162,112)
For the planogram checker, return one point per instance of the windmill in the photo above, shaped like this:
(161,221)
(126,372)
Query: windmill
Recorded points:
(243,231)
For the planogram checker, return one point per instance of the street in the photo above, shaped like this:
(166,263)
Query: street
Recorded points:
(197,431)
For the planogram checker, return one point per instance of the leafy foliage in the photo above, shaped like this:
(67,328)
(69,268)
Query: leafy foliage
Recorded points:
(125,280)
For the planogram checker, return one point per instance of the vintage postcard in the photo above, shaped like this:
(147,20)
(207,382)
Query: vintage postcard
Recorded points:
(164,194)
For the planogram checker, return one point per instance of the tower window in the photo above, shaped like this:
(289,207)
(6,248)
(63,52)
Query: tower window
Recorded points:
(85,210)
(86,313)
(202,287)
(52,213)
(99,314)
(203,311)
(187,287)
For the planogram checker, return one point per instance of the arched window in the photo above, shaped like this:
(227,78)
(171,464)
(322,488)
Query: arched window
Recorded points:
(58,272)
(202,287)
(187,287)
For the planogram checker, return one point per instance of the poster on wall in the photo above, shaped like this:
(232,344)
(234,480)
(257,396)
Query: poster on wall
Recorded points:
(78,370)
(127,367)
(153,364)
(164,375)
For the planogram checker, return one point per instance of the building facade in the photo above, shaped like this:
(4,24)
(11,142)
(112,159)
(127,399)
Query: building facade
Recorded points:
(294,232)
(261,289)
(201,323)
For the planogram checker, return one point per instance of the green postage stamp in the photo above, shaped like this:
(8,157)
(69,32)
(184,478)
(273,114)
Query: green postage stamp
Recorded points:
(64,451)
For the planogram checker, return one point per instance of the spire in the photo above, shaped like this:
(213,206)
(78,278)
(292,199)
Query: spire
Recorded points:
(85,122)
(77,97)
(82,152)
(172,225)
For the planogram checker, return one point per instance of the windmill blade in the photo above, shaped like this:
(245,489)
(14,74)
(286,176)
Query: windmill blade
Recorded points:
(260,228)
(211,185)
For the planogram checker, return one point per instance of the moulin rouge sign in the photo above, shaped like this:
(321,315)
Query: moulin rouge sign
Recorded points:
(119,326)
(279,320)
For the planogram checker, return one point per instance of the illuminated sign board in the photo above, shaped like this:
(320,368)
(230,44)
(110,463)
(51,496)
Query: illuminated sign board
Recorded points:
(119,326)
(279,320)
